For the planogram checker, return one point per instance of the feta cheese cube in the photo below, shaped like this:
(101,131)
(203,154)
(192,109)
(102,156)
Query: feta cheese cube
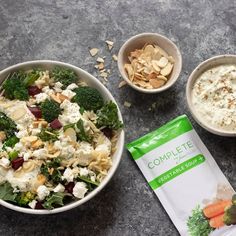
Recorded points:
(79,190)
(42,192)
(59,188)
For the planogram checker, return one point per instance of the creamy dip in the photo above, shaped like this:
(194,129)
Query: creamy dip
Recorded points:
(214,97)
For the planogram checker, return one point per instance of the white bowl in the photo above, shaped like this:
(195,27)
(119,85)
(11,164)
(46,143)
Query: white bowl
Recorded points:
(137,42)
(206,65)
(93,82)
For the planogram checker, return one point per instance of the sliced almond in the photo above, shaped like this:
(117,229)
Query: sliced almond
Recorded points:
(129,71)
(28,166)
(109,44)
(114,57)
(161,51)
(100,66)
(70,132)
(104,74)
(156,83)
(2,136)
(56,154)
(18,113)
(167,70)
(37,144)
(101,60)
(156,54)
(171,59)
(127,104)
(155,66)
(62,97)
(29,139)
(93,51)
(162,77)
(162,62)
(40,123)
(122,84)
(55,98)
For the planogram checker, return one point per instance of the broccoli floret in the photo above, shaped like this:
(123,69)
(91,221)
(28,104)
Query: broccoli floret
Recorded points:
(25,198)
(230,215)
(64,76)
(108,117)
(7,125)
(14,87)
(50,110)
(88,98)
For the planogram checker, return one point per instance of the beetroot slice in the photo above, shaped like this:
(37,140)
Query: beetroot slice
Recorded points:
(69,187)
(16,163)
(34,90)
(39,205)
(55,124)
(36,112)
(107,132)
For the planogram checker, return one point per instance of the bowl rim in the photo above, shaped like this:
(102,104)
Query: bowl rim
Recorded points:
(191,80)
(137,36)
(118,153)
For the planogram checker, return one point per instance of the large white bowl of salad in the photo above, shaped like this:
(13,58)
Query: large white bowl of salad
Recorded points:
(61,137)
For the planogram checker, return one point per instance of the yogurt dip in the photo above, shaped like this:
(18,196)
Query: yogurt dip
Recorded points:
(214,97)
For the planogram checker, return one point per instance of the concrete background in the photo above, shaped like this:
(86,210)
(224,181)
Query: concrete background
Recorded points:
(65,30)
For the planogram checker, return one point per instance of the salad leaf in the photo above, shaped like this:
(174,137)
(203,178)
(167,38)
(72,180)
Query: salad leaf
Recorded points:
(197,224)
(14,87)
(31,77)
(108,117)
(87,180)
(10,142)
(48,134)
(64,76)
(54,200)
(81,134)
(7,125)
(6,192)
(24,198)
(55,175)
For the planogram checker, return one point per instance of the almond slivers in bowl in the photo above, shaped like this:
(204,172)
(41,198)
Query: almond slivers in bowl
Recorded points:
(149,67)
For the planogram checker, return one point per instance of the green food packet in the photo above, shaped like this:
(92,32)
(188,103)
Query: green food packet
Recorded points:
(185,177)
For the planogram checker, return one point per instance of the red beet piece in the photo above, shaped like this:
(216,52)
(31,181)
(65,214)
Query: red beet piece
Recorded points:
(33,90)
(39,205)
(17,163)
(107,132)
(36,112)
(69,187)
(55,124)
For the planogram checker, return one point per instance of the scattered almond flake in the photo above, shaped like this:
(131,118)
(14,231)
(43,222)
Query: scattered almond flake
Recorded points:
(103,70)
(103,74)
(108,71)
(96,66)
(127,104)
(109,44)
(149,67)
(99,59)
(100,66)
(122,84)
(114,57)
(93,51)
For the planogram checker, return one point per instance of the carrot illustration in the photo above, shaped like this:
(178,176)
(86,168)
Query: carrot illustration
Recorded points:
(217,221)
(216,209)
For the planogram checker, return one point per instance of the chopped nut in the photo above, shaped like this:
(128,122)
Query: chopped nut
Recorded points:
(29,139)
(100,66)
(55,98)
(2,136)
(122,83)
(62,97)
(99,59)
(93,51)
(40,123)
(37,144)
(103,74)
(114,57)
(109,44)
(127,104)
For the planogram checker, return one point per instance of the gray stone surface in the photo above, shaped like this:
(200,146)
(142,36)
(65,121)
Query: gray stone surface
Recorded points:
(64,30)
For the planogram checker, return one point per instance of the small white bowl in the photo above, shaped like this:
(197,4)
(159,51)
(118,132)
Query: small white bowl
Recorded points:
(137,42)
(201,68)
(93,82)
